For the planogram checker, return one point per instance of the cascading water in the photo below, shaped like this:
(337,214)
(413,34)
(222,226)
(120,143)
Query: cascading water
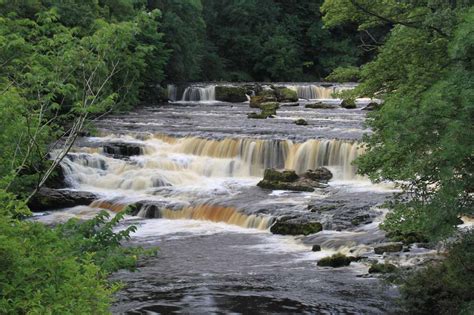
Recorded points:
(199,94)
(313,92)
(172,92)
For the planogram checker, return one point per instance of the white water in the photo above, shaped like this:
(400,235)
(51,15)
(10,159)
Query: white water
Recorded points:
(199,94)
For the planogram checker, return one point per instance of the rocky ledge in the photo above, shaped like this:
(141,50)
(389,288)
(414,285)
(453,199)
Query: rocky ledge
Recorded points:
(295,226)
(53,199)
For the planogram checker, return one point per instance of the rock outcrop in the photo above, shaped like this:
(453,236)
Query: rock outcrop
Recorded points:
(122,149)
(335,261)
(289,180)
(53,199)
(388,248)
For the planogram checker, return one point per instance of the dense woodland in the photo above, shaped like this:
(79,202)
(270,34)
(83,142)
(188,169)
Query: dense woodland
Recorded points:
(65,63)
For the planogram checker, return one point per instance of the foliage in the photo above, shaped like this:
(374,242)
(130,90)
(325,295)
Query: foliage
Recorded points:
(446,287)
(344,74)
(60,270)
(423,132)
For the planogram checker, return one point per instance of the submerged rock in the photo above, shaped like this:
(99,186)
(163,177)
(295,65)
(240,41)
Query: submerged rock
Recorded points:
(301,122)
(382,268)
(291,226)
(388,248)
(348,104)
(120,149)
(231,94)
(52,199)
(290,104)
(335,261)
(319,106)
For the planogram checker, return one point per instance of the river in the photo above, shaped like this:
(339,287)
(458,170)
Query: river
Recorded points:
(194,177)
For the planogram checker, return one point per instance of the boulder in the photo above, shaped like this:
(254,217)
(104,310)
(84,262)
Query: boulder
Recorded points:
(52,199)
(286,95)
(319,174)
(301,122)
(316,248)
(335,261)
(388,248)
(319,106)
(122,149)
(382,268)
(372,106)
(264,96)
(290,226)
(283,176)
(348,104)
(288,180)
(269,108)
(231,94)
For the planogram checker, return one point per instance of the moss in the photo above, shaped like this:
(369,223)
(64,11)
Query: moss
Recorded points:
(290,227)
(284,176)
(382,268)
(335,261)
(256,116)
(287,95)
(348,103)
(388,248)
(301,122)
(232,94)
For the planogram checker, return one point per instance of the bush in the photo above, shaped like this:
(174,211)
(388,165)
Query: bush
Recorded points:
(61,270)
(444,288)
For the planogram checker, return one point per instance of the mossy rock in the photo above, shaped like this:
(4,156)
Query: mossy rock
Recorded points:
(296,227)
(284,176)
(319,106)
(231,94)
(301,122)
(316,208)
(335,261)
(388,248)
(408,238)
(382,268)
(264,96)
(372,106)
(286,95)
(256,116)
(269,108)
(348,103)
(319,174)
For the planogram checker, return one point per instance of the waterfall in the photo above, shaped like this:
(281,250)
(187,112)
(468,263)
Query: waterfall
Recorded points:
(312,92)
(172,92)
(199,94)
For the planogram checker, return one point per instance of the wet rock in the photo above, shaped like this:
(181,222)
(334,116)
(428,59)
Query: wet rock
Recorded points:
(408,238)
(288,180)
(291,226)
(254,115)
(290,104)
(382,268)
(265,96)
(372,106)
(319,174)
(286,95)
(269,108)
(348,104)
(52,199)
(283,176)
(121,149)
(388,248)
(319,106)
(318,208)
(57,180)
(301,122)
(231,94)
(361,219)
(316,248)
(335,261)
